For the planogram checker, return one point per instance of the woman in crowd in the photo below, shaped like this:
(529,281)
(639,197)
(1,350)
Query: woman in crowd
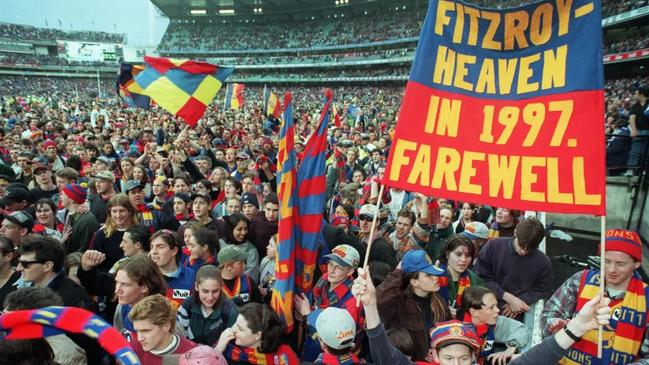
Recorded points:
(141,175)
(232,189)
(121,216)
(267,268)
(257,336)
(126,166)
(467,215)
(237,234)
(408,297)
(206,314)
(480,308)
(455,258)
(201,204)
(47,223)
(202,246)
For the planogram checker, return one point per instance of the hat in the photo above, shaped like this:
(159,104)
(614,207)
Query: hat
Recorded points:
(48,143)
(183,196)
(76,192)
(231,253)
(368,209)
(335,327)
(345,143)
(132,185)
(453,332)
(475,230)
(202,355)
(624,241)
(242,156)
(249,198)
(418,260)
(105,175)
(21,218)
(105,160)
(18,195)
(162,179)
(40,163)
(345,255)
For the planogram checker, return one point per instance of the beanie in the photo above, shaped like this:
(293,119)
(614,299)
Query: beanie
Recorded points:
(624,241)
(76,192)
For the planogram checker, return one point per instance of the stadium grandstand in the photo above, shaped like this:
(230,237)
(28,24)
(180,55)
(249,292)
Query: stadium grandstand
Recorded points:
(189,191)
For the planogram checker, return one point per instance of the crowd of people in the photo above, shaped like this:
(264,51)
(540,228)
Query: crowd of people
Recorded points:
(322,32)
(27,32)
(7,58)
(170,235)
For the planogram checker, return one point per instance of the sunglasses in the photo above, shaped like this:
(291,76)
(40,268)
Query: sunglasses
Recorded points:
(27,264)
(365,217)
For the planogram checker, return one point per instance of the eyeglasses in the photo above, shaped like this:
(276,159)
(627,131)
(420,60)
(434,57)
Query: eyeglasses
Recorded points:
(365,217)
(27,264)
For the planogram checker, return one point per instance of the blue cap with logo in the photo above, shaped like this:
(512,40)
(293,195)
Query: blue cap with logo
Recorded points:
(418,260)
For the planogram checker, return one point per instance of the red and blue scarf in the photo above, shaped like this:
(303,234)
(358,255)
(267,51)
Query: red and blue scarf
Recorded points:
(283,356)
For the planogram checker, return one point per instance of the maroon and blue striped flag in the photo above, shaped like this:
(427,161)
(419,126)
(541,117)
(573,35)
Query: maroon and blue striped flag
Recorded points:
(284,289)
(311,182)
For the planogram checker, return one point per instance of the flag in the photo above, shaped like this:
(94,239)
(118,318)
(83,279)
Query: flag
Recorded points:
(234,96)
(182,87)
(283,291)
(130,90)
(311,199)
(272,105)
(353,111)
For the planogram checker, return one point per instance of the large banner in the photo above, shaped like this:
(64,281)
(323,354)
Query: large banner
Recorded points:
(505,107)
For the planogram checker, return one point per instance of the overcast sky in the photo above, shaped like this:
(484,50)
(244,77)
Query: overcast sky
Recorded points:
(139,19)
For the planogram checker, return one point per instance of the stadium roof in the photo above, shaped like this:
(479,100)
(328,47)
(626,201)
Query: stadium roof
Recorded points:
(279,9)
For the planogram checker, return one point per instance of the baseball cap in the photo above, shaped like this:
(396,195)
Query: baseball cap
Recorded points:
(105,175)
(335,327)
(345,143)
(476,230)
(105,160)
(249,198)
(367,210)
(454,332)
(345,255)
(231,253)
(18,195)
(243,156)
(21,218)
(40,163)
(202,355)
(418,260)
(132,185)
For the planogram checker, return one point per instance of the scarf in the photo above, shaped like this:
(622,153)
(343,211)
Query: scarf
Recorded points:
(486,337)
(324,297)
(347,359)
(242,288)
(283,356)
(623,337)
(445,288)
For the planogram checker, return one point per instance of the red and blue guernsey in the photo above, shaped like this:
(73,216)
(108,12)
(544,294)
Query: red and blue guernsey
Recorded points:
(181,285)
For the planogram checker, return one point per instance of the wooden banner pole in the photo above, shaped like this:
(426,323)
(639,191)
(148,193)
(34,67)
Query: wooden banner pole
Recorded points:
(371,236)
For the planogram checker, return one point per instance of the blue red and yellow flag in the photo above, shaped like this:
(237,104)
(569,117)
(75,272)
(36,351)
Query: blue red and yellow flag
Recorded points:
(272,104)
(182,87)
(128,89)
(234,96)
(284,289)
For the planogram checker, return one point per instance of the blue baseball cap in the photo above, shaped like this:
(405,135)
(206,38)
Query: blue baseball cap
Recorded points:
(418,260)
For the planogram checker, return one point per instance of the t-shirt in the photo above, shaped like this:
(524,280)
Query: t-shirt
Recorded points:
(641,121)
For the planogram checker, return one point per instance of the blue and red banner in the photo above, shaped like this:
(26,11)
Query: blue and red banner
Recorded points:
(234,96)
(505,107)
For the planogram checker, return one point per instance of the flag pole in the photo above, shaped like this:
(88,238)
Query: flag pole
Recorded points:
(371,236)
(602,251)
